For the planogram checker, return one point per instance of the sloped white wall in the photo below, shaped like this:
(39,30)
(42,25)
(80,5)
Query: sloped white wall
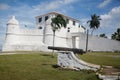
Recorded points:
(69,60)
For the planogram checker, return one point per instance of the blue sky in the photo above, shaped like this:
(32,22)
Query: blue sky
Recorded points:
(26,10)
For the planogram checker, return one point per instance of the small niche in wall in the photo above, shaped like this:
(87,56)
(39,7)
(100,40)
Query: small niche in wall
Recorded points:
(40,27)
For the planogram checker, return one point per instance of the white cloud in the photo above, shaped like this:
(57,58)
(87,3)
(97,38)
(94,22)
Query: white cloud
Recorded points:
(112,18)
(4,6)
(47,6)
(26,14)
(104,3)
(111,21)
(28,18)
(68,1)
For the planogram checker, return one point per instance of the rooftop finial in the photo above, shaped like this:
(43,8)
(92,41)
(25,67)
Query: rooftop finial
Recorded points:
(13,21)
(13,17)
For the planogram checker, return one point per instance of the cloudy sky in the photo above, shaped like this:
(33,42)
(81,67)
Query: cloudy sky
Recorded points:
(26,10)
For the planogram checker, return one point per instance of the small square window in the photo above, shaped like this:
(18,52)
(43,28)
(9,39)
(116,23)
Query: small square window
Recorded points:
(40,20)
(73,22)
(46,18)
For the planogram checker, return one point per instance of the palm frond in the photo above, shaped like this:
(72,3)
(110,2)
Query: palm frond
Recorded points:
(58,22)
(94,23)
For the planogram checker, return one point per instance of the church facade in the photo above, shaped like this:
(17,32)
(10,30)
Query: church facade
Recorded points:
(41,37)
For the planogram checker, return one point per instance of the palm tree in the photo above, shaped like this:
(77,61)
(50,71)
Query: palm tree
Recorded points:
(116,35)
(103,35)
(94,23)
(57,23)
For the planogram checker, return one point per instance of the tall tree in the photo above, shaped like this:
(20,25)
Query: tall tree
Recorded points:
(116,35)
(57,23)
(103,35)
(94,23)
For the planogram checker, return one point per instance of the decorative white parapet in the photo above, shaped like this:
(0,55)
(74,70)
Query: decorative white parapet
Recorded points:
(69,60)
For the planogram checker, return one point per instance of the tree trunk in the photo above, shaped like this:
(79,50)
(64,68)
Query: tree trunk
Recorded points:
(92,31)
(87,40)
(53,43)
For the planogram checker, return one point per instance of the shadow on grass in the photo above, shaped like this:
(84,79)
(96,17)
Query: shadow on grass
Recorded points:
(117,67)
(45,54)
(55,66)
(46,64)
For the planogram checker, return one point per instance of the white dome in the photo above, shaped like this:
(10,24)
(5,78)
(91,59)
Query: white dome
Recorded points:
(13,21)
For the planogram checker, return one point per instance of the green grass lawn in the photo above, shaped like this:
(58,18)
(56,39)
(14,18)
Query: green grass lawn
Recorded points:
(37,66)
(102,58)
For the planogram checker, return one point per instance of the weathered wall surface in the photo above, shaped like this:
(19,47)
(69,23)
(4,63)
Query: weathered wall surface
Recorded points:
(61,39)
(42,35)
(25,40)
(30,37)
(69,60)
(98,44)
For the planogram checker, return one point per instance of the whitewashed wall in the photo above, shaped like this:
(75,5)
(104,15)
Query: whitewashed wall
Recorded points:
(97,43)
(25,40)
(61,37)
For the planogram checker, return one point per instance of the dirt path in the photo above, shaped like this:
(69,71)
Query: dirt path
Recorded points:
(109,70)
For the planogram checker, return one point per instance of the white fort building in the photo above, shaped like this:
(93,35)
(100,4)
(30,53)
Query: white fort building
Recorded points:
(42,36)
(38,39)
